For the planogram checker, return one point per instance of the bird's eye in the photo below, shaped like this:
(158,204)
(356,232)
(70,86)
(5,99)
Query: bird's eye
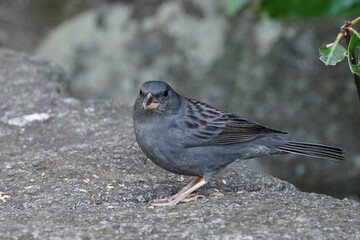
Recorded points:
(165,93)
(141,92)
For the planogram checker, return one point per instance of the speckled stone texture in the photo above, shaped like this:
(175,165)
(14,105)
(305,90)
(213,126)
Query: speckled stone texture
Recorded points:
(80,175)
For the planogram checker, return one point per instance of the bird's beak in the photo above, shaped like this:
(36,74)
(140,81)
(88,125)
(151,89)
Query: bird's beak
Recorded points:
(150,102)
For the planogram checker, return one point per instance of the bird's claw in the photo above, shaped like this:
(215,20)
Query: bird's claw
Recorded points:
(192,198)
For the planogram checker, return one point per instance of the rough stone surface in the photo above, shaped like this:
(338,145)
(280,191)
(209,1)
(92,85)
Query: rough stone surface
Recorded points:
(80,175)
(263,69)
(23,23)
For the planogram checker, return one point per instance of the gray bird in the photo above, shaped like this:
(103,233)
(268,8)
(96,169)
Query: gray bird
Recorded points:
(189,137)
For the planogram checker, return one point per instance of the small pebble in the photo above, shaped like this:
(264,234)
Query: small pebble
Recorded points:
(86,180)
(217,194)
(181,179)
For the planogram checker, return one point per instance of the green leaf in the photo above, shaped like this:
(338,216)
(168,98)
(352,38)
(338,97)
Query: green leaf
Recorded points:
(353,44)
(301,8)
(332,53)
(357,34)
(234,6)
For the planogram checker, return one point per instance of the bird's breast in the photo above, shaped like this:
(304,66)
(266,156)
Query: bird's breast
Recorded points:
(161,146)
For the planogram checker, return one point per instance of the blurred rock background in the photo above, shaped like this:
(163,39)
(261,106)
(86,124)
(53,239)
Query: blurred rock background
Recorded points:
(264,69)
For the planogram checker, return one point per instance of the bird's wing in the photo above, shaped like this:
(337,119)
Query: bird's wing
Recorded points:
(205,126)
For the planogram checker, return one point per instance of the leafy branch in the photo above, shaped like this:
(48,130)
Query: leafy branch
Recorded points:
(334,52)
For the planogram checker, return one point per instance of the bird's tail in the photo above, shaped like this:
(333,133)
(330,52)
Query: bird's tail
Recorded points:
(313,150)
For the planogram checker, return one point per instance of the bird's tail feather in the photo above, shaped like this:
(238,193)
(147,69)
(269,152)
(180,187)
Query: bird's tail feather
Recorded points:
(313,150)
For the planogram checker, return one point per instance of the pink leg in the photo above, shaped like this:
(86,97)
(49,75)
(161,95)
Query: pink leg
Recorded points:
(168,199)
(180,197)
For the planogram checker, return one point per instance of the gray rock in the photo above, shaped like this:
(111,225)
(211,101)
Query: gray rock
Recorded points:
(263,69)
(80,175)
(115,51)
(23,23)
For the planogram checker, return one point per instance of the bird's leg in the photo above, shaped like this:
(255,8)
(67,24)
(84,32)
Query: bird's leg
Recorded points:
(187,187)
(192,183)
(181,197)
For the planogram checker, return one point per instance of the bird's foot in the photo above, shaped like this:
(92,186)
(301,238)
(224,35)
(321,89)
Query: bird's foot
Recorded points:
(192,198)
(171,201)
(185,195)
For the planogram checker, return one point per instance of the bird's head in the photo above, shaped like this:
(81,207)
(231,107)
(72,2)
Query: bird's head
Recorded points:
(157,96)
